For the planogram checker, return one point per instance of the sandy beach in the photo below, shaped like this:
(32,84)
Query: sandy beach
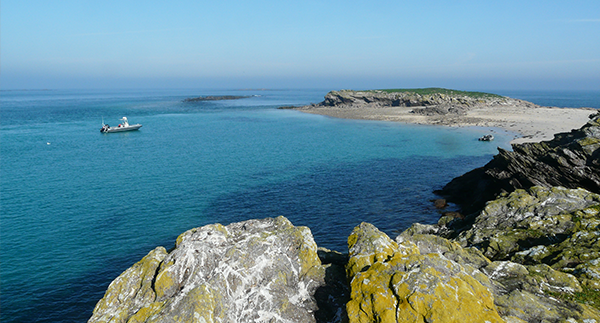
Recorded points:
(532,124)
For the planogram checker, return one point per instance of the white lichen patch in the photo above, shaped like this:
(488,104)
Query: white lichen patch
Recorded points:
(244,272)
(534,251)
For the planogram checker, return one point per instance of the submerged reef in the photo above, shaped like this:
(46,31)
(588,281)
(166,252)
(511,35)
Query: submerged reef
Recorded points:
(217,98)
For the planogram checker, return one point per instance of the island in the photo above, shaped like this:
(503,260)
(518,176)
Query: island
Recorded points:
(217,98)
(437,106)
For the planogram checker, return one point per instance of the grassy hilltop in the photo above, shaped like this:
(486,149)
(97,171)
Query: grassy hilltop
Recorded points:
(437,90)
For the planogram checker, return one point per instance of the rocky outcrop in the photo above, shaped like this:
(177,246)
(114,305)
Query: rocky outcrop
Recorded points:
(426,278)
(393,281)
(570,160)
(430,102)
(258,270)
(555,226)
(270,271)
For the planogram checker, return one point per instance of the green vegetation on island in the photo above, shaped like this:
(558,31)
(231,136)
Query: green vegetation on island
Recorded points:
(437,90)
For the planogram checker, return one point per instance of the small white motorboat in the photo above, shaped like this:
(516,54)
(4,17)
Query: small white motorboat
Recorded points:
(486,138)
(125,126)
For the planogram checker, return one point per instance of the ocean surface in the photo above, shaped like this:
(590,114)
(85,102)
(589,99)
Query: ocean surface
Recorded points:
(78,207)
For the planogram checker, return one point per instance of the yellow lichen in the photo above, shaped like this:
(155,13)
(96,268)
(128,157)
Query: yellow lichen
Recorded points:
(414,287)
(146,312)
(117,304)
(164,282)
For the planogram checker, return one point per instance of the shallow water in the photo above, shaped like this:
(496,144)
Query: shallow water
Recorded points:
(79,207)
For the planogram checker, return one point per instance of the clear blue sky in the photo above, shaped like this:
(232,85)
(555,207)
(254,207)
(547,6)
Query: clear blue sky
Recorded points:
(285,44)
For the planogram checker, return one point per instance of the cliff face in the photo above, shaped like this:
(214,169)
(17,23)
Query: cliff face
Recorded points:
(451,102)
(570,160)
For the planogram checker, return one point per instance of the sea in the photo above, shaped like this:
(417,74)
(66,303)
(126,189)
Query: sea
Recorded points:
(78,207)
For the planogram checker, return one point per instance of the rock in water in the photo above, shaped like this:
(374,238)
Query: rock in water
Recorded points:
(253,271)
(570,160)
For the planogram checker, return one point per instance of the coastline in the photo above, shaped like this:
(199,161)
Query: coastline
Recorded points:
(533,124)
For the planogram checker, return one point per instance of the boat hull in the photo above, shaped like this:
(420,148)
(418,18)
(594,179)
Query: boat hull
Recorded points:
(122,129)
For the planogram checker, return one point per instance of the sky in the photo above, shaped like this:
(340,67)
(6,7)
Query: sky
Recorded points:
(466,45)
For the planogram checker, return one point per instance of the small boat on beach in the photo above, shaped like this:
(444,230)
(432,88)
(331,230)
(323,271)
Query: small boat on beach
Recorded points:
(125,126)
(486,138)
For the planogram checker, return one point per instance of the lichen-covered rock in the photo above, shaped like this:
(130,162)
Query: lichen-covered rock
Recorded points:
(570,160)
(131,291)
(392,281)
(537,293)
(427,278)
(511,283)
(555,226)
(257,270)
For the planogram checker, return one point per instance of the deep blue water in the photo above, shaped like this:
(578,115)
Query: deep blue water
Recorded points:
(79,207)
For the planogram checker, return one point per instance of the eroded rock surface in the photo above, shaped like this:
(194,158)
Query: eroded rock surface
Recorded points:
(393,281)
(570,160)
(555,226)
(253,271)
(427,278)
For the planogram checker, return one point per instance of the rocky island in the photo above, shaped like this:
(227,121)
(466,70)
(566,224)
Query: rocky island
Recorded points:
(435,106)
(527,249)
(217,98)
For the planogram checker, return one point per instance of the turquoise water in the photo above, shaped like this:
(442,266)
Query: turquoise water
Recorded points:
(79,207)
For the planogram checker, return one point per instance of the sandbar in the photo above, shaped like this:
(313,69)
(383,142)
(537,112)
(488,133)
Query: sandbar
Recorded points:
(532,124)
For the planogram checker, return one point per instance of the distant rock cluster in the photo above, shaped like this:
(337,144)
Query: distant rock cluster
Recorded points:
(216,98)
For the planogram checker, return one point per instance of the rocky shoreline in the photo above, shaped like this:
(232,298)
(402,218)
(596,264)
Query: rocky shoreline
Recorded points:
(531,122)
(569,160)
(528,250)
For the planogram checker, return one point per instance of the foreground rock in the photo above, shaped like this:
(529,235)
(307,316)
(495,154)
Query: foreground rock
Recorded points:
(392,281)
(570,160)
(258,270)
(270,271)
(426,278)
(555,226)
